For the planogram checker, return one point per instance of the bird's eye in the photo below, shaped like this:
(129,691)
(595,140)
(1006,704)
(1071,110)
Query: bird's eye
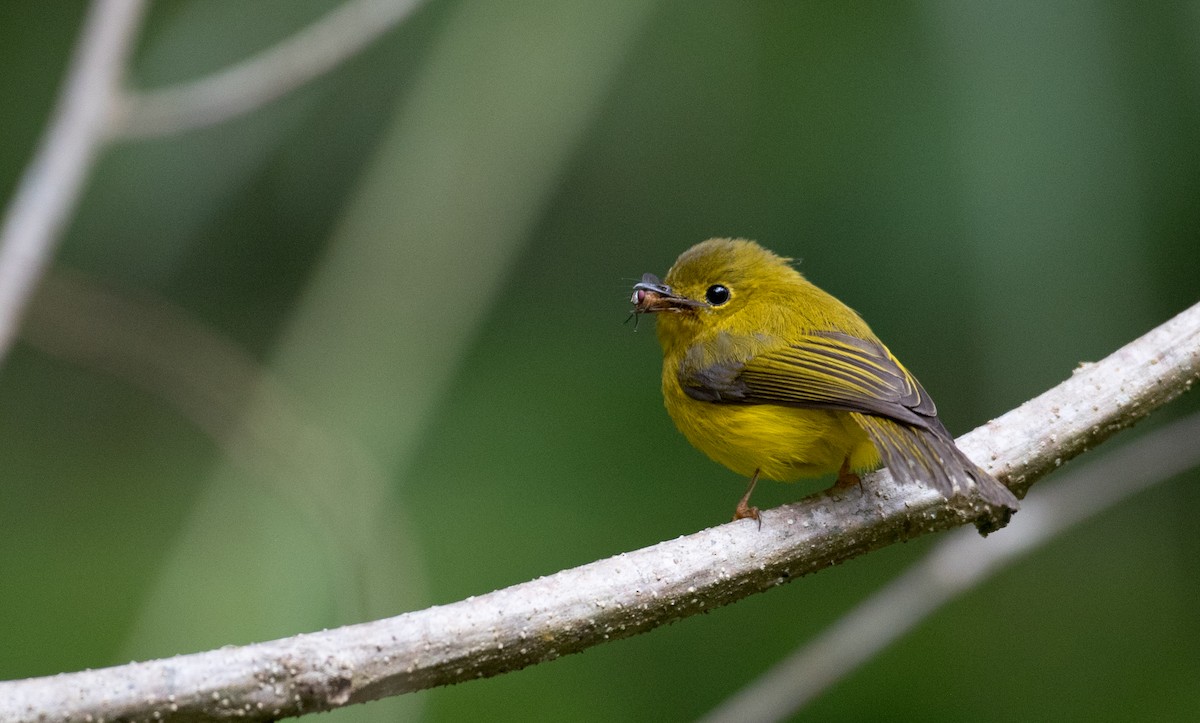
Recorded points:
(717,295)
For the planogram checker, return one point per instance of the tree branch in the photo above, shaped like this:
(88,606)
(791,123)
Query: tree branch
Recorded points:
(268,76)
(51,184)
(960,562)
(575,609)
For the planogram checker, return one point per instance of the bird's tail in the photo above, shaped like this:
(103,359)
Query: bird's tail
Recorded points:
(923,456)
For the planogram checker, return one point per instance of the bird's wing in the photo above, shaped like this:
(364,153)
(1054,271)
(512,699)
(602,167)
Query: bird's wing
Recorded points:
(821,370)
(831,370)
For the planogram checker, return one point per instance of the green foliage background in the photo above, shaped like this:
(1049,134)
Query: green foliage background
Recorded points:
(429,251)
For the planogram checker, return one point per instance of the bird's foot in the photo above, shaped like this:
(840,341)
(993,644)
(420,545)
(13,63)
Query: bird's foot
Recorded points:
(744,509)
(847,479)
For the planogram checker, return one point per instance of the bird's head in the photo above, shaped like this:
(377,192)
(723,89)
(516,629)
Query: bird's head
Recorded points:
(719,285)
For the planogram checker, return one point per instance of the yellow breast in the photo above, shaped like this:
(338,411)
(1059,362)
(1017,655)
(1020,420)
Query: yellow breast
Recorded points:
(783,443)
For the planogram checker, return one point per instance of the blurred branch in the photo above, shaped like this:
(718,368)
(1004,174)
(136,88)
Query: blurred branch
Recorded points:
(50,186)
(631,593)
(275,72)
(958,564)
(93,108)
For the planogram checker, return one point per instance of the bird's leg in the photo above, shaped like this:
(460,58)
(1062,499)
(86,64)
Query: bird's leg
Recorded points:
(744,509)
(847,479)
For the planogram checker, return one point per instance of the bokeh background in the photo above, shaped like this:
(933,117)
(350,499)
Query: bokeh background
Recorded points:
(362,351)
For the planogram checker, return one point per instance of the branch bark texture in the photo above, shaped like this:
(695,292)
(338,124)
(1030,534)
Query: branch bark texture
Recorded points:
(633,592)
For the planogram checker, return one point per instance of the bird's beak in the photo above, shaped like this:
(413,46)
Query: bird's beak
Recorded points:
(651,295)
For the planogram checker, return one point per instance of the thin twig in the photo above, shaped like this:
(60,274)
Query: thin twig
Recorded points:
(631,593)
(50,186)
(275,72)
(957,565)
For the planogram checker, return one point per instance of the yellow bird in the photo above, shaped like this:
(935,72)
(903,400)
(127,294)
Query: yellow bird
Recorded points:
(773,377)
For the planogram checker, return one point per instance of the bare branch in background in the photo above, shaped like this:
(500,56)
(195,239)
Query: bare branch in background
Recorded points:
(275,72)
(50,187)
(93,108)
(957,565)
(631,593)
